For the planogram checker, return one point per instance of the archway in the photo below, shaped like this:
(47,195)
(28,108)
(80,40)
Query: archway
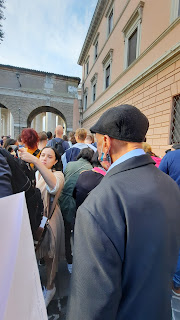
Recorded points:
(6,122)
(46,119)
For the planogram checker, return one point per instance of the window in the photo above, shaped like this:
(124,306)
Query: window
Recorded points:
(94,92)
(175,124)
(87,67)
(110,22)
(175,10)
(96,45)
(107,66)
(85,102)
(96,51)
(94,86)
(85,99)
(107,79)
(132,36)
(132,46)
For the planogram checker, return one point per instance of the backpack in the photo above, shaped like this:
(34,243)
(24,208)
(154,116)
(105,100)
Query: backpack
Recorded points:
(59,147)
(21,182)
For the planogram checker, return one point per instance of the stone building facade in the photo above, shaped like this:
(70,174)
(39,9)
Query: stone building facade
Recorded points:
(131,54)
(30,98)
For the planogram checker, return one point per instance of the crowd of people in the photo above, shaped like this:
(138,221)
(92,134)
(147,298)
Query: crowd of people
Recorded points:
(118,203)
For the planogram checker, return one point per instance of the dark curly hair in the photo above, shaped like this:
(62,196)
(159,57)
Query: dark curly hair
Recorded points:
(30,138)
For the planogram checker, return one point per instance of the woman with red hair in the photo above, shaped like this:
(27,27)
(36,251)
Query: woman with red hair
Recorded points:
(29,138)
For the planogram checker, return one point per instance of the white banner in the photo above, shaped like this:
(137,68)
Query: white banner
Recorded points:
(21,295)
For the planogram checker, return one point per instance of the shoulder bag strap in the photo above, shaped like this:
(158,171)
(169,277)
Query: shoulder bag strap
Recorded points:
(53,206)
(36,152)
(99,170)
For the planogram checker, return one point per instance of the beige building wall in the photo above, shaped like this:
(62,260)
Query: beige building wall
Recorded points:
(151,80)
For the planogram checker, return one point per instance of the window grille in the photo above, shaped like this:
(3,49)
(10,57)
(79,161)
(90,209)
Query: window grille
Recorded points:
(175,125)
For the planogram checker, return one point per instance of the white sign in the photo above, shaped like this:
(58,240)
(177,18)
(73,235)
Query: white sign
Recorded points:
(20,289)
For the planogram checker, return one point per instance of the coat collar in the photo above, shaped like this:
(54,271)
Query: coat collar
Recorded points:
(131,163)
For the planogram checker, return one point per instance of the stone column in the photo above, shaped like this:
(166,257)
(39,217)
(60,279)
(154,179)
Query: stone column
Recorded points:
(11,125)
(3,126)
(44,121)
(50,122)
(38,125)
(53,122)
(33,123)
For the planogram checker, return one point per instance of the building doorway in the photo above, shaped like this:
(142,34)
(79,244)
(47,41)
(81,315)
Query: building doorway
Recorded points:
(46,119)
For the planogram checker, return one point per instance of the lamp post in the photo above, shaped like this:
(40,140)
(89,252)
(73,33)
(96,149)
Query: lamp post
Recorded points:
(19,121)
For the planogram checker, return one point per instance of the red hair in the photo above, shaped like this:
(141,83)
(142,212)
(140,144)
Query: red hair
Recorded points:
(30,138)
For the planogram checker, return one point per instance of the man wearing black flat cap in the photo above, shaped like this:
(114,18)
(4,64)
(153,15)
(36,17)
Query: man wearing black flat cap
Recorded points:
(127,230)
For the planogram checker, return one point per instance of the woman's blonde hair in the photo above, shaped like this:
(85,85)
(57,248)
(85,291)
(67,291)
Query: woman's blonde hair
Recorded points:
(146,147)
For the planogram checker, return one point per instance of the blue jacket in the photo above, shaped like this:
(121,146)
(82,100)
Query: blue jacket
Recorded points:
(170,164)
(5,178)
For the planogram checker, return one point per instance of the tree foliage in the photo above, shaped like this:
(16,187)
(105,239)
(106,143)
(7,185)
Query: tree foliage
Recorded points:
(1,18)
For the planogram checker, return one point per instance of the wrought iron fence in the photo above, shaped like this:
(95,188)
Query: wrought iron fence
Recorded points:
(175,124)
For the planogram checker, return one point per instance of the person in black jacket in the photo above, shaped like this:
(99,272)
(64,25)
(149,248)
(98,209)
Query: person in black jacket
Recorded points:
(5,178)
(127,230)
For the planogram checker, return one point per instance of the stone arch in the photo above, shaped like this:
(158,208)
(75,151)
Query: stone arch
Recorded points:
(45,110)
(6,121)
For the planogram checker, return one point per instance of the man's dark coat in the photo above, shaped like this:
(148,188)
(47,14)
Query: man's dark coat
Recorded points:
(5,178)
(126,245)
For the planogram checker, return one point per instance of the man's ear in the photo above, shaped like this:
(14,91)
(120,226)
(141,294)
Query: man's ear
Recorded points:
(107,143)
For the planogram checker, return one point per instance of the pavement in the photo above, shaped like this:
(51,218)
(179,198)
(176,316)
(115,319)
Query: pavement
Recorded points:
(57,307)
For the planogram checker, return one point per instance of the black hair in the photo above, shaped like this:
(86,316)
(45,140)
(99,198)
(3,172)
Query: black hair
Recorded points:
(9,142)
(49,134)
(94,161)
(86,153)
(58,166)
(65,138)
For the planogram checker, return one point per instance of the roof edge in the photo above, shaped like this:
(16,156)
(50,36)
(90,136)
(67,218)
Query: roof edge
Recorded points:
(97,16)
(40,72)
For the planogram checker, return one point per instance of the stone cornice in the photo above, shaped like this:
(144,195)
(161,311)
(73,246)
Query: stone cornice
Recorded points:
(94,78)
(137,12)
(108,56)
(109,8)
(96,19)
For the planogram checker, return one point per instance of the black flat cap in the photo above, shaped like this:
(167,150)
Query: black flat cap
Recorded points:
(124,122)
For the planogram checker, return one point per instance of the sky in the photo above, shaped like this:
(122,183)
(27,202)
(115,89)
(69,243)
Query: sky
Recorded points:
(46,35)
